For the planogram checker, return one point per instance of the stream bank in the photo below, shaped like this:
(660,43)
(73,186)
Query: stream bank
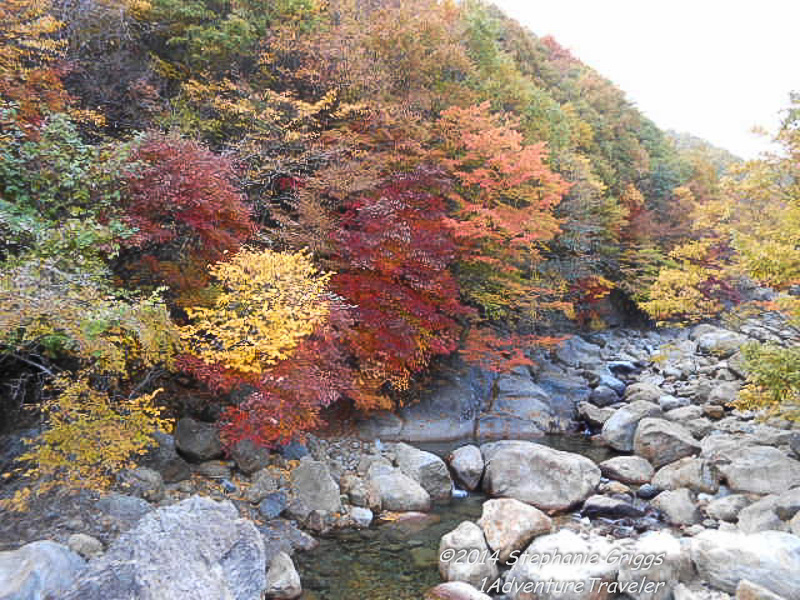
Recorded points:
(667,456)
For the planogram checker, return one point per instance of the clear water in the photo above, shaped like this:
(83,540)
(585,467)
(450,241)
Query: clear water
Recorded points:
(398,560)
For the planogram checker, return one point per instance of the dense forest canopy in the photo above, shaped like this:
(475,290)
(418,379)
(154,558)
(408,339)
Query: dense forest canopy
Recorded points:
(271,207)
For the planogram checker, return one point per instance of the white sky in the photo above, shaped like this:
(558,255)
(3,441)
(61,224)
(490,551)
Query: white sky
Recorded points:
(713,68)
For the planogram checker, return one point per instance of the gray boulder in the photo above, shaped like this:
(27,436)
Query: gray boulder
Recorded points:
(580,580)
(759,469)
(610,507)
(197,441)
(283,582)
(697,474)
(455,590)
(770,559)
(38,571)
(675,564)
(197,549)
(85,545)
(142,482)
(678,506)
(727,508)
(627,469)
(747,590)
(510,525)
(663,442)
(467,465)
(313,489)
(249,457)
(165,459)
(595,416)
(425,468)
(396,491)
(619,430)
(549,479)
(603,395)
(466,538)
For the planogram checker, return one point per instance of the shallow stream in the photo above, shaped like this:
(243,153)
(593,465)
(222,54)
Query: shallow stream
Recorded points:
(398,560)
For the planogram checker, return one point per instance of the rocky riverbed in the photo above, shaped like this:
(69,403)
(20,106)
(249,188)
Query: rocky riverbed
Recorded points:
(664,467)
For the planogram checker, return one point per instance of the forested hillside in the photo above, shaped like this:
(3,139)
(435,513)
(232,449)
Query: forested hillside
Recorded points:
(254,210)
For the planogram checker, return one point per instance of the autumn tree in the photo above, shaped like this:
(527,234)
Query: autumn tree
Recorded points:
(181,202)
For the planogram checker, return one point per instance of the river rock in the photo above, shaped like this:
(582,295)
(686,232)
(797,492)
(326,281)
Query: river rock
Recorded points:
(125,510)
(619,430)
(466,538)
(720,342)
(760,469)
(197,441)
(273,504)
(673,556)
(38,571)
(142,482)
(313,489)
(577,352)
(627,469)
(697,474)
(594,415)
(609,507)
(283,582)
(678,506)
(249,457)
(770,559)
(642,391)
(362,517)
(747,590)
(397,491)
(549,479)
(669,402)
(85,545)
(727,508)
(455,590)
(663,442)
(165,459)
(683,414)
(262,483)
(425,468)
(723,393)
(602,396)
(510,525)
(771,512)
(467,465)
(583,579)
(197,549)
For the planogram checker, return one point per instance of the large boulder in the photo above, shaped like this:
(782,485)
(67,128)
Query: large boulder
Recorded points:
(577,352)
(643,392)
(770,559)
(313,489)
(720,342)
(197,441)
(425,468)
(396,491)
(627,469)
(37,571)
(659,557)
(165,459)
(759,469)
(197,549)
(595,416)
(467,465)
(283,582)
(728,507)
(771,512)
(455,590)
(678,506)
(619,430)
(464,556)
(249,456)
(564,579)
(747,590)
(510,525)
(663,442)
(697,474)
(549,479)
